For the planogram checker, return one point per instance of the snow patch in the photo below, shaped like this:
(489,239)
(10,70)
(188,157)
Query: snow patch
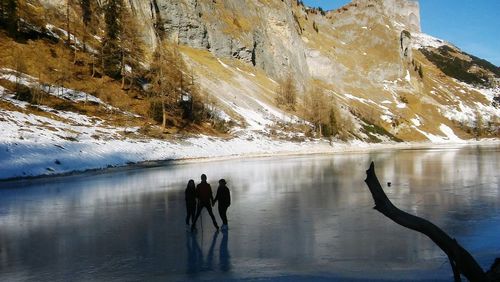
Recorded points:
(401,105)
(408,76)
(61,92)
(386,118)
(421,40)
(224,65)
(417,121)
(449,133)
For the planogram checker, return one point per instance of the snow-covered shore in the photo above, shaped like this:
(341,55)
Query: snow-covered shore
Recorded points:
(33,157)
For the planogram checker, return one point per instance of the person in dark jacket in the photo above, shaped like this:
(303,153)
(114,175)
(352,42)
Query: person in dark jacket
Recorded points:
(205,200)
(224,198)
(190,194)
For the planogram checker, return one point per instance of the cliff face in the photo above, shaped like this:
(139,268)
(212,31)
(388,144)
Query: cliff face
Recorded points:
(406,12)
(255,32)
(265,34)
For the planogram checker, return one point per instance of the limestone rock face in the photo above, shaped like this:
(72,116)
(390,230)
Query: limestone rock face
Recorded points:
(255,33)
(406,12)
(265,34)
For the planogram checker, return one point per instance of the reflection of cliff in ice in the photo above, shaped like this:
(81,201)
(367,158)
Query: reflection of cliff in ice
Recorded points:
(290,216)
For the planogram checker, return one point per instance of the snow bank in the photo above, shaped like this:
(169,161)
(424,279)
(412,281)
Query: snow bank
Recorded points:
(32,145)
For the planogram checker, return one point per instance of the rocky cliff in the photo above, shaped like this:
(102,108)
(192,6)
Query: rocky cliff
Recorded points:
(266,34)
(255,32)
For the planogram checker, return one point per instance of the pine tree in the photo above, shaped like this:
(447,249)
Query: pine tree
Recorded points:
(111,51)
(9,16)
(86,7)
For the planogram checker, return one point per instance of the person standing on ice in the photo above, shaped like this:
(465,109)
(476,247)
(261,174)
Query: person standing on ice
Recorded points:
(224,198)
(190,194)
(205,200)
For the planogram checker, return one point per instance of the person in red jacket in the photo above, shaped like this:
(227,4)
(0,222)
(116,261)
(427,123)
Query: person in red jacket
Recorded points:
(205,200)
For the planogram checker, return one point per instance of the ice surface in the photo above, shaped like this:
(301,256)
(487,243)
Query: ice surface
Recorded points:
(291,219)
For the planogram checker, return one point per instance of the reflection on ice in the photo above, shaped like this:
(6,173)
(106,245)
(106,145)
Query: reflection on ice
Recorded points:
(297,218)
(198,263)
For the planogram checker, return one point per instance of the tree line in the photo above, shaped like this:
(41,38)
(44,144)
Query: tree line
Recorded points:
(9,16)
(171,87)
(109,42)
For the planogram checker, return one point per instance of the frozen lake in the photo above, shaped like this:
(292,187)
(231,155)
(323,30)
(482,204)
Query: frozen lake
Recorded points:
(292,219)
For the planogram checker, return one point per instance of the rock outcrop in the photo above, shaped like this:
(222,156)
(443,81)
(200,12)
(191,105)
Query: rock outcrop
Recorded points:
(255,33)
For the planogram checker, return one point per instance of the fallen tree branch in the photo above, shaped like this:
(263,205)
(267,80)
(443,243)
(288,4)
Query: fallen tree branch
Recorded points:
(461,260)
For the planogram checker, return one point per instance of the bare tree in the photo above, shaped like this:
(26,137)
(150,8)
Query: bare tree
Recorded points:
(317,108)
(131,48)
(461,260)
(286,93)
(166,75)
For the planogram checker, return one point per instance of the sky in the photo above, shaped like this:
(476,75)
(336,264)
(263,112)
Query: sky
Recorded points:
(473,26)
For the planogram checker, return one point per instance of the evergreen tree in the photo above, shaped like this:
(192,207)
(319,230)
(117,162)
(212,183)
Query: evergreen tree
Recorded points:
(111,49)
(8,15)
(86,7)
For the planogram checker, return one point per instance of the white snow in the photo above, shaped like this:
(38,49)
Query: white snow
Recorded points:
(433,138)
(246,72)
(450,136)
(32,145)
(224,65)
(51,29)
(386,118)
(401,105)
(449,133)
(61,92)
(421,40)
(416,121)
(352,97)
(408,76)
